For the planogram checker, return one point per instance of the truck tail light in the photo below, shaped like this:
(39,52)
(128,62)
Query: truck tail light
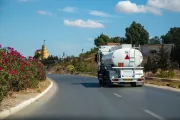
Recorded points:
(115,80)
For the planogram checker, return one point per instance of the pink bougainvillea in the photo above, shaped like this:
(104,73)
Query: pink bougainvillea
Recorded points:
(20,68)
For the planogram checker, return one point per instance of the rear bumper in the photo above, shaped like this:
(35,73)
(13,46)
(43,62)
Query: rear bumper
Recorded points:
(120,80)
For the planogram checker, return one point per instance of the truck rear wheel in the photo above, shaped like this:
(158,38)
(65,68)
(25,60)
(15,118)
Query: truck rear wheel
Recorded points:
(133,84)
(109,83)
(100,82)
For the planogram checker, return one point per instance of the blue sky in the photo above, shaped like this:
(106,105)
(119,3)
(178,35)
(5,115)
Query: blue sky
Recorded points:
(71,25)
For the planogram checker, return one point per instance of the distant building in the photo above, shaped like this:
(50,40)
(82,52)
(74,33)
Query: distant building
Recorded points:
(112,44)
(44,54)
(146,49)
(38,51)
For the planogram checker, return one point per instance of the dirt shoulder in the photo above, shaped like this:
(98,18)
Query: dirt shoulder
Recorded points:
(15,98)
(172,84)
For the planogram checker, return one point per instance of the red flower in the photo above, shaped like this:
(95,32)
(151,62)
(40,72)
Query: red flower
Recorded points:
(12,49)
(2,61)
(11,72)
(0,69)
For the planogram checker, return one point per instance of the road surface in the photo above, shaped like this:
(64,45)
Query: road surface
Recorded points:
(81,98)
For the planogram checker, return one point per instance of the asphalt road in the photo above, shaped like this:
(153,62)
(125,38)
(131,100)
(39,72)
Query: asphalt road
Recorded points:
(81,98)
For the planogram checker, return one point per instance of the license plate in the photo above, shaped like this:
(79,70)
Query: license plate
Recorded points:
(127,80)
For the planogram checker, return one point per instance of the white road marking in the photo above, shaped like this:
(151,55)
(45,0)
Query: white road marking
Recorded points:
(117,95)
(153,114)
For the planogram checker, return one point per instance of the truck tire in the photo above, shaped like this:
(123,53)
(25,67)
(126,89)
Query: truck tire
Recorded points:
(109,83)
(133,84)
(100,82)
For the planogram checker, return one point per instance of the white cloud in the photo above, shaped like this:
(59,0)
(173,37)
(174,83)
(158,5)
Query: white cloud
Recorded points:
(42,12)
(128,7)
(84,24)
(68,9)
(99,13)
(154,10)
(172,5)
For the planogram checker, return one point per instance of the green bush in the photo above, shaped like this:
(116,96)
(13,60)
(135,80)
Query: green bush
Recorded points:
(18,72)
(166,74)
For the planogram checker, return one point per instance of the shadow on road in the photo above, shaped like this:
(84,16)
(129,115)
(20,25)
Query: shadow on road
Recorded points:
(96,85)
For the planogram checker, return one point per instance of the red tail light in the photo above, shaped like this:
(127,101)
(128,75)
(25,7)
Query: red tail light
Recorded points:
(115,79)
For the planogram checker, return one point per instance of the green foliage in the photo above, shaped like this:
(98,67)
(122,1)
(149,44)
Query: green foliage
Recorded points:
(172,37)
(154,40)
(115,39)
(82,67)
(166,74)
(148,65)
(158,59)
(175,55)
(136,34)
(4,84)
(51,57)
(103,39)
(163,60)
(70,68)
(37,56)
(17,72)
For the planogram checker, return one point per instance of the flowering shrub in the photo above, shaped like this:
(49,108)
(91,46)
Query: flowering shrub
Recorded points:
(18,72)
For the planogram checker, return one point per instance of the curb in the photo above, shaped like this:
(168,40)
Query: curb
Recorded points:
(163,87)
(6,113)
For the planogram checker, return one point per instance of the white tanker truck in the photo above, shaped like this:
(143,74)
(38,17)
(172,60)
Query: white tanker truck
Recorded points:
(120,65)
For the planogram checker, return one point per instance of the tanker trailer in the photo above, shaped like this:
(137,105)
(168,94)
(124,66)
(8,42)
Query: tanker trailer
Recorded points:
(120,65)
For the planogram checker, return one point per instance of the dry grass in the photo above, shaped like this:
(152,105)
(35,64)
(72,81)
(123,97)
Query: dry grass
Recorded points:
(173,84)
(15,98)
(88,75)
(42,86)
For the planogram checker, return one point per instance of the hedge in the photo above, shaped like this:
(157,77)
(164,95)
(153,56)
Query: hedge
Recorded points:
(18,72)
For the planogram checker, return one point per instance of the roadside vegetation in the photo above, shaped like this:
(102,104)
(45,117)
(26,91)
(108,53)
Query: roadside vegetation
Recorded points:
(162,63)
(159,63)
(17,72)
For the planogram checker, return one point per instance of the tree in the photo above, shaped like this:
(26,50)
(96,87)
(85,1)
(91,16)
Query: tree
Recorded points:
(148,65)
(154,40)
(136,34)
(101,40)
(70,68)
(123,40)
(172,37)
(175,54)
(37,56)
(151,64)
(115,39)
(163,58)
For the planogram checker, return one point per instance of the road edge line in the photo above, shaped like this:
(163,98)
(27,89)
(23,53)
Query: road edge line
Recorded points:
(6,113)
